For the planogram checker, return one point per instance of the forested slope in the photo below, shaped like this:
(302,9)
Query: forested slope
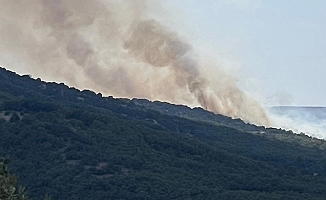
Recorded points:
(75,144)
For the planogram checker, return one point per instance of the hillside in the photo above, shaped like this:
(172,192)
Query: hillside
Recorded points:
(75,144)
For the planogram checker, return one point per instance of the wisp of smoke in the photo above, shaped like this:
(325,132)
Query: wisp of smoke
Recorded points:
(308,120)
(113,47)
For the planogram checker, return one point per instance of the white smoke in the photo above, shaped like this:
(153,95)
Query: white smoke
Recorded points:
(308,120)
(113,47)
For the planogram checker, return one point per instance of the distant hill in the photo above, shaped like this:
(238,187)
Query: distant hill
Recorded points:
(75,144)
(310,120)
(308,113)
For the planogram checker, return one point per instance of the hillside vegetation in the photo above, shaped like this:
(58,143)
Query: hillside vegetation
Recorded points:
(75,144)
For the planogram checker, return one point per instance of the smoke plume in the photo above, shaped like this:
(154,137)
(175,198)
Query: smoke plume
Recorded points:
(115,48)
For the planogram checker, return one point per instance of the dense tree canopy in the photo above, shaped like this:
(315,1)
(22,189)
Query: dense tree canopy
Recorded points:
(74,144)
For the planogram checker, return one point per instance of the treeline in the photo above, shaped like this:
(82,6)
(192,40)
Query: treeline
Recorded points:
(81,146)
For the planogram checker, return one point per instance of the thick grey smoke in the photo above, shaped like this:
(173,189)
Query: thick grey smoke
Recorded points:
(114,47)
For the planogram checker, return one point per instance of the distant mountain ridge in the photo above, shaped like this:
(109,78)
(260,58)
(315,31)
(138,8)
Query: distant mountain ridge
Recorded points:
(310,120)
(310,113)
(75,144)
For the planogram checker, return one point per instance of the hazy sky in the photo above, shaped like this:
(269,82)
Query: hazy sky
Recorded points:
(278,46)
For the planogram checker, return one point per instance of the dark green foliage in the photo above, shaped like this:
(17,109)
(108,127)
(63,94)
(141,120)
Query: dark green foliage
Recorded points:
(14,117)
(79,145)
(8,188)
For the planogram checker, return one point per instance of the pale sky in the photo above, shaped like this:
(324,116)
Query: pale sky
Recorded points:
(279,46)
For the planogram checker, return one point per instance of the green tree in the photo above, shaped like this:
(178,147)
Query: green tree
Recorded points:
(8,189)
